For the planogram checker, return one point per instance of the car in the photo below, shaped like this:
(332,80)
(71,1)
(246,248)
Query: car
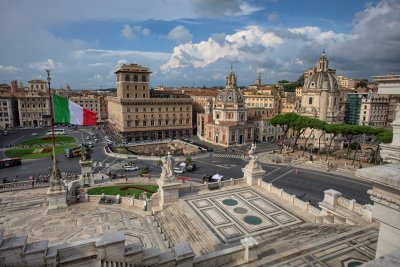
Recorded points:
(96,140)
(191,167)
(130,168)
(34,134)
(87,137)
(179,170)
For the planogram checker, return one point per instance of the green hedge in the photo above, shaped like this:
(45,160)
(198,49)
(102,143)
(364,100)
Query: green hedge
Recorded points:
(115,190)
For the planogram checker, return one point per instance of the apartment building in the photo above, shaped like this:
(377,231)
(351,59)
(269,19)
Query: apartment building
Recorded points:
(137,114)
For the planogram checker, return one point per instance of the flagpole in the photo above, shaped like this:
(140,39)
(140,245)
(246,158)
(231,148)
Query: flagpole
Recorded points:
(55,179)
(51,114)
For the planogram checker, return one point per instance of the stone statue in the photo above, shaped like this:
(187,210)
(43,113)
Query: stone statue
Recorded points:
(253,148)
(167,172)
(85,152)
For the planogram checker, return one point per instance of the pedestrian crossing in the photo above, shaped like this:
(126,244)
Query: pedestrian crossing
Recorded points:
(231,156)
(100,164)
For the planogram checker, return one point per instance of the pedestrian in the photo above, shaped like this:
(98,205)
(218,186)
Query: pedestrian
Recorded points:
(102,178)
(126,178)
(77,199)
(149,177)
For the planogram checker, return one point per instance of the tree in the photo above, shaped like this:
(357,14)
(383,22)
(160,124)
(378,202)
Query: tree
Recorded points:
(289,87)
(362,84)
(313,124)
(283,81)
(300,125)
(300,80)
(335,130)
(384,136)
(285,122)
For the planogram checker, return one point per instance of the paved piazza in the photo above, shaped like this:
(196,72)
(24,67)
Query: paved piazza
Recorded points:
(23,213)
(233,215)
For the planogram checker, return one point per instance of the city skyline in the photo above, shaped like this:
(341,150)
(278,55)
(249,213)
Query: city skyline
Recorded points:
(193,43)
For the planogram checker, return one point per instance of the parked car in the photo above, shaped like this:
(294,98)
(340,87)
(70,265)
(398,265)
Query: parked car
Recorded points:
(34,134)
(130,168)
(179,170)
(191,167)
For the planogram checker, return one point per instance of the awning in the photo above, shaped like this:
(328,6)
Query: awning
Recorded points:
(217,177)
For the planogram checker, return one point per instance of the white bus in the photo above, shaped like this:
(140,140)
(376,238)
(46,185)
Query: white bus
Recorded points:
(56,131)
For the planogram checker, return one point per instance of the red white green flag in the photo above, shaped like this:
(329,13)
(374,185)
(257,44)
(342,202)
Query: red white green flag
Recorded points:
(66,111)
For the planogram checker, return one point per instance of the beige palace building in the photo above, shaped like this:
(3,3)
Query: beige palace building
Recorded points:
(137,114)
(34,106)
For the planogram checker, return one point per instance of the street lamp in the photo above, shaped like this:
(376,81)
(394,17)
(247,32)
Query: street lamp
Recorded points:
(55,179)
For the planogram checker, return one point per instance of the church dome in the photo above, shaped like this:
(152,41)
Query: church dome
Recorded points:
(230,95)
(322,78)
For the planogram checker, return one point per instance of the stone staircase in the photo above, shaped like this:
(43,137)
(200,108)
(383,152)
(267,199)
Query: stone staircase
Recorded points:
(179,225)
(308,239)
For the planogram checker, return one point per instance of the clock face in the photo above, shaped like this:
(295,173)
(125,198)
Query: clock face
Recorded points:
(240,97)
(220,97)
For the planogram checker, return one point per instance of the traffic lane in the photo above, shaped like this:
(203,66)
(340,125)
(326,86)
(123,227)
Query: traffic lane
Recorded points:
(310,182)
(17,135)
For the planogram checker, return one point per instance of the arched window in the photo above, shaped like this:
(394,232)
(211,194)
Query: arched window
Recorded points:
(143,78)
(310,101)
(127,77)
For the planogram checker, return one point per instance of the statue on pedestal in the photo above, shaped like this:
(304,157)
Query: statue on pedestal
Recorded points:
(253,163)
(167,172)
(85,152)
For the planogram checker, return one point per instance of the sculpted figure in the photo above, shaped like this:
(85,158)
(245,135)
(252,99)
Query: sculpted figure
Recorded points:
(85,152)
(167,172)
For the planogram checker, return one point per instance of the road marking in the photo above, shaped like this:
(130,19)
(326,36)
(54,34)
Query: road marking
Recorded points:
(272,171)
(17,139)
(336,177)
(280,176)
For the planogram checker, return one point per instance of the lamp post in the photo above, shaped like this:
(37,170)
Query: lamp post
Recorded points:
(55,179)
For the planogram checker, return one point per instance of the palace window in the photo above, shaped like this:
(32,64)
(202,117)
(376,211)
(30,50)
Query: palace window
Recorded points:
(310,100)
(143,78)
(127,77)
(135,78)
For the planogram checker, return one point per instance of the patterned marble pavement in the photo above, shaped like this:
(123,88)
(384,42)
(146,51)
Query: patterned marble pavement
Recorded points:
(23,213)
(232,215)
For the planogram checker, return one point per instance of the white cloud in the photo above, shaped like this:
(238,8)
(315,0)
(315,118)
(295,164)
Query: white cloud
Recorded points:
(313,33)
(180,35)
(130,32)
(273,16)
(50,64)
(127,31)
(224,8)
(9,69)
(247,43)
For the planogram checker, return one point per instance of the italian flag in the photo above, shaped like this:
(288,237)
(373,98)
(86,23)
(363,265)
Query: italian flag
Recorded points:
(66,111)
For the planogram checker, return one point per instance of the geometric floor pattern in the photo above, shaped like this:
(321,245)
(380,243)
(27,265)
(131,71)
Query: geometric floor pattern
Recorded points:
(347,249)
(232,215)
(23,213)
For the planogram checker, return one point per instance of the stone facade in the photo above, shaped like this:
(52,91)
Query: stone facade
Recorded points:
(138,114)
(229,125)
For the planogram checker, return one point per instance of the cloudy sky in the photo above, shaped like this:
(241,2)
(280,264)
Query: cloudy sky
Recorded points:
(194,42)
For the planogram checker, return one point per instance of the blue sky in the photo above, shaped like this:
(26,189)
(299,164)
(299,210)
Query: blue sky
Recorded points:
(194,42)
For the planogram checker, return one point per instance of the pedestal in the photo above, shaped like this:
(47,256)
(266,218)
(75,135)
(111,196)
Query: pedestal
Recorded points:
(386,196)
(169,193)
(57,201)
(87,174)
(253,177)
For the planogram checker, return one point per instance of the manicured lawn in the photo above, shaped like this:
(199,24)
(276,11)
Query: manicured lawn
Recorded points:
(33,153)
(40,147)
(123,190)
(46,139)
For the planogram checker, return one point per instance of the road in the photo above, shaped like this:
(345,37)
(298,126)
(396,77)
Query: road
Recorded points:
(308,184)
